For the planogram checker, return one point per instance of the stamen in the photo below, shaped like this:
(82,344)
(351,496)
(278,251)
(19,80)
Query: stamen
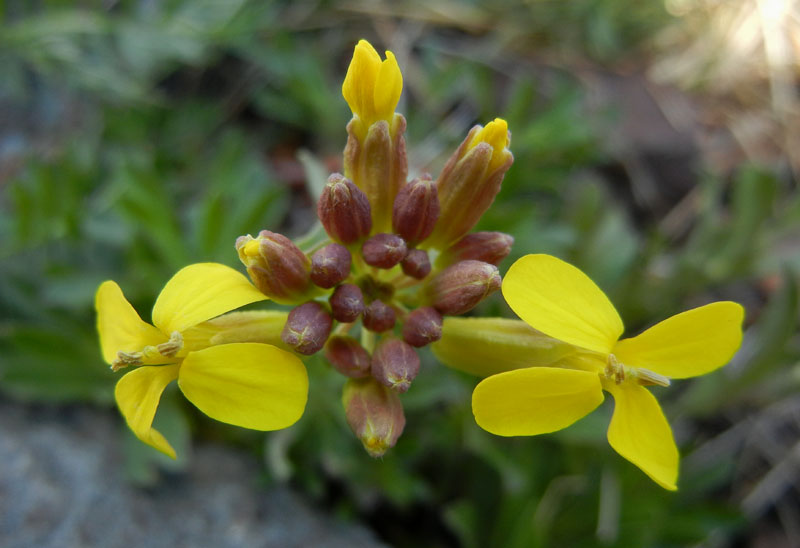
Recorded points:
(619,372)
(614,369)
(126,359)
(172,346)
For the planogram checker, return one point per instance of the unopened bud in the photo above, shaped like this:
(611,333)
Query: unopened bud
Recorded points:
(422,326)
(460,287)
(375,159)
(416,264)
(470,181)
(416,209)
(277,267)
(489,247)
(347,303)
(330,265)
(379,317)
(347,356)
(344,210)
(384,250)
(374,413)
(395,364)
(307,328)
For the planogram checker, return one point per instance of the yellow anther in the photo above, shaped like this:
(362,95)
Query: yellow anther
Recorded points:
(126,359)
(172,346)
(619,372)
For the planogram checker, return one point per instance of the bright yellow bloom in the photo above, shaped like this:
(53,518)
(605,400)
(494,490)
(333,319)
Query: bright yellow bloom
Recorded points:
(252,385)
(372,87)
(559,300)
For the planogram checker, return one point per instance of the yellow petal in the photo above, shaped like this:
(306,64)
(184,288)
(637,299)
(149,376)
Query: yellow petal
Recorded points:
(137,394)
(388,87)
(358,88)
(487,346)
(200,292)
(640,433)
(538,400)
(251,385)
(561,301)
(119,325)
(496,134)
(688,344)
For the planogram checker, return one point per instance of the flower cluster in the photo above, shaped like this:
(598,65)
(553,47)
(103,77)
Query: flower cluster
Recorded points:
(397,256)
(396,263)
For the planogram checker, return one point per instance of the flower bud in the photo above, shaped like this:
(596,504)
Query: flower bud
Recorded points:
(307,328)
(470,181)
(416,264)
(384,250)
(374,413)
(347,356)
(489,247)
(277,267)
(330,265)
(379,317)
(347,303)
(375,159)
(422,326)
(416,209)
(395,364)
(344,210)
(460,287)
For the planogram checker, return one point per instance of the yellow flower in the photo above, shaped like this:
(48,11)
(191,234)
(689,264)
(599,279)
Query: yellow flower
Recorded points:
(560,301)
(252,385)
(372,87)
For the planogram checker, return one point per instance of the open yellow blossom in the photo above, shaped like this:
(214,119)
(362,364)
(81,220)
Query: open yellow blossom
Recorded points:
(372,87)
(248,384)
(560,301)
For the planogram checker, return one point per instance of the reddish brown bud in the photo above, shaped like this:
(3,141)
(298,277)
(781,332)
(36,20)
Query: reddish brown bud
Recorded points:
(416,209)
(374,413)
(330,265)
(395,364)
(344,210)
(307,328)
(489,247)
(460,287)
(416,264)
(347,303)
(379,317)
(277,267)
(384,250)
(347,356)
(423,326)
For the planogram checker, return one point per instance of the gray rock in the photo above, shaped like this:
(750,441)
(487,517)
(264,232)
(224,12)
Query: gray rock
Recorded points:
(62,485)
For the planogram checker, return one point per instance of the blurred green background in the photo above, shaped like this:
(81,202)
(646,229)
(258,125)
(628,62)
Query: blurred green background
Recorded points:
(656,147)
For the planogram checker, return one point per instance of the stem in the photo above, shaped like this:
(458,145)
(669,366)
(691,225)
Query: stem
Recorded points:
(367,339)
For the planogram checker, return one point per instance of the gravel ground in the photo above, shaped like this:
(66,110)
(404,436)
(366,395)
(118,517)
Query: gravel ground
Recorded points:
(62,485)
